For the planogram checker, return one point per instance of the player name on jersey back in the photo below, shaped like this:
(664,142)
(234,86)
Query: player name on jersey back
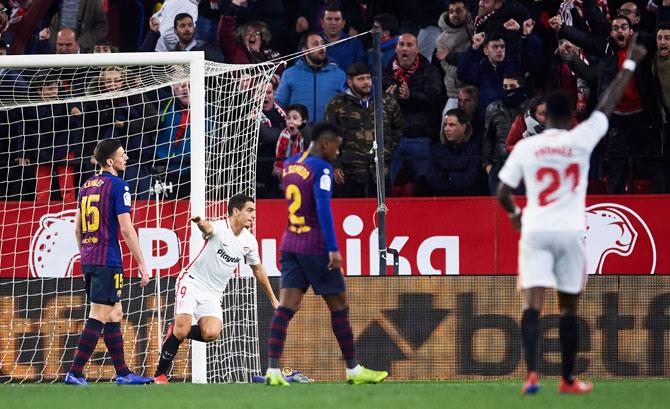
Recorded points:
(304,177)
(102,198)
(554,166)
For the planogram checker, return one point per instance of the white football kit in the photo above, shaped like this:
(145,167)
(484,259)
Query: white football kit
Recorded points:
(554,166)
(200,286)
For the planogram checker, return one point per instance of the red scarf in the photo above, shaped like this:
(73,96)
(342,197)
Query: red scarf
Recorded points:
(181,128)
(401,74)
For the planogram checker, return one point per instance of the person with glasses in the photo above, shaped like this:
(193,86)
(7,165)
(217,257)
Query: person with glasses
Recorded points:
(247,44)
(634,138)
(630,11)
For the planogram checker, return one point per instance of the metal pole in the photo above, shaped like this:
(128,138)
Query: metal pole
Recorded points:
(379,147)
(159,334)
(160,189)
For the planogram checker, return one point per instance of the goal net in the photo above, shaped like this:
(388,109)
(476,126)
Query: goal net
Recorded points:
(189,128)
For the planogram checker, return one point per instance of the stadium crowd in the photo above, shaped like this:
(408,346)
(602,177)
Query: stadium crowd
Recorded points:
(463,81)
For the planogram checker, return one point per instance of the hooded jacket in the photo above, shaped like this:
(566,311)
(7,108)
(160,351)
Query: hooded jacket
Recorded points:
(356,118)
(456,39)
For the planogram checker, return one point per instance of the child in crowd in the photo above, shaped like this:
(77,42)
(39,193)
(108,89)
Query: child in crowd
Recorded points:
(292,139)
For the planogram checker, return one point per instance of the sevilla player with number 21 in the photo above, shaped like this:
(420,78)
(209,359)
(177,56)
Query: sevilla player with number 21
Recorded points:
(555,166)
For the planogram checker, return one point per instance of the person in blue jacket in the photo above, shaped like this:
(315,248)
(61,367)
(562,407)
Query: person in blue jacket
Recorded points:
(344,53)
(312,81)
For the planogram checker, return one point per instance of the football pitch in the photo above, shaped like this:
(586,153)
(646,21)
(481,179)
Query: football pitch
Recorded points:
(608,394)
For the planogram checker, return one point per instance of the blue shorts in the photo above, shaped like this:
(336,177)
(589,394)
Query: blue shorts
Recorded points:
(103,284)
(302,270)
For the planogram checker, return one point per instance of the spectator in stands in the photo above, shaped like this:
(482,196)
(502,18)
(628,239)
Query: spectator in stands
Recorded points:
(164,22)
(346,52)
(325,77)
(186,41)
(353,111)
(273,122)
(67,42)
(310,15)
(484,65)
(561,76)
(455,165)
(498,121)
(71,83)
(291,140)
(456,36)
(105,46)
(661,65)
(468,96)
(26,16)
(3,47)
(631,11)
(49,138)
(493,14)
(206,26)
(661,70)
(247,44)
(421,19)
(417,86)
(132,119)
(173,142)
(388,24)
(634,137)
(272,13)
(86,18)
(529,123)
(4,16)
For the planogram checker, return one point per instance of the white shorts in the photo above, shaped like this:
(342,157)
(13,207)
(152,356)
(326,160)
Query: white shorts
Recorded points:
(553,260)
(195,299)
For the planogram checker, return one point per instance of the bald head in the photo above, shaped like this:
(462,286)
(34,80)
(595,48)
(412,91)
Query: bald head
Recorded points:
(66,42)
(630,10)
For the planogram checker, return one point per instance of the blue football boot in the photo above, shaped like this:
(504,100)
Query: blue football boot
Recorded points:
(133,379)
(70,379)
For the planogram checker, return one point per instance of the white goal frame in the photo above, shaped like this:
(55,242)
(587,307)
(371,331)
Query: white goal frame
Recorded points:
(196,61)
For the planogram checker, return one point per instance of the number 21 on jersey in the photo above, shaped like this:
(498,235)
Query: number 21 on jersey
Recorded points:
(570,175)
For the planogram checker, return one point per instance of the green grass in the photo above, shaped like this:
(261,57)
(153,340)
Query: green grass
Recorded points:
(608,394)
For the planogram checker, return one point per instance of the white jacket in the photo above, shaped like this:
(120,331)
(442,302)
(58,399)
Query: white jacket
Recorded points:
(166,15)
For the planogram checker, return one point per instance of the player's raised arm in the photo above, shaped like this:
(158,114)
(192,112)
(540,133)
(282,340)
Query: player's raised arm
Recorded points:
(262,277)
(130,237)
(205,227)
(616,88)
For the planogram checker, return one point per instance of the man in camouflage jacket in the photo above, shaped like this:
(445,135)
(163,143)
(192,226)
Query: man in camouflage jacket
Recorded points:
(354,111)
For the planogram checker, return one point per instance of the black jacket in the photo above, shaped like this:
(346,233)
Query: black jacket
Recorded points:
(603,73)
(422,109)
(496,21)
(454,168)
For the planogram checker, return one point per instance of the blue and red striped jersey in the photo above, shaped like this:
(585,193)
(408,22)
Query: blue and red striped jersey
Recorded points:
(101,200)
(307,183)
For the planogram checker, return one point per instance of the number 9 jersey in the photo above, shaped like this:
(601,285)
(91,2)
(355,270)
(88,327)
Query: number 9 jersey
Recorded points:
(554,166)
(101,200)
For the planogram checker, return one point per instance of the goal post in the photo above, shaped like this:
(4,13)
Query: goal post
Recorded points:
(201,136)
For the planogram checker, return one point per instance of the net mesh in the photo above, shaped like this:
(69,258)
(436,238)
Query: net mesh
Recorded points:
(50,121)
